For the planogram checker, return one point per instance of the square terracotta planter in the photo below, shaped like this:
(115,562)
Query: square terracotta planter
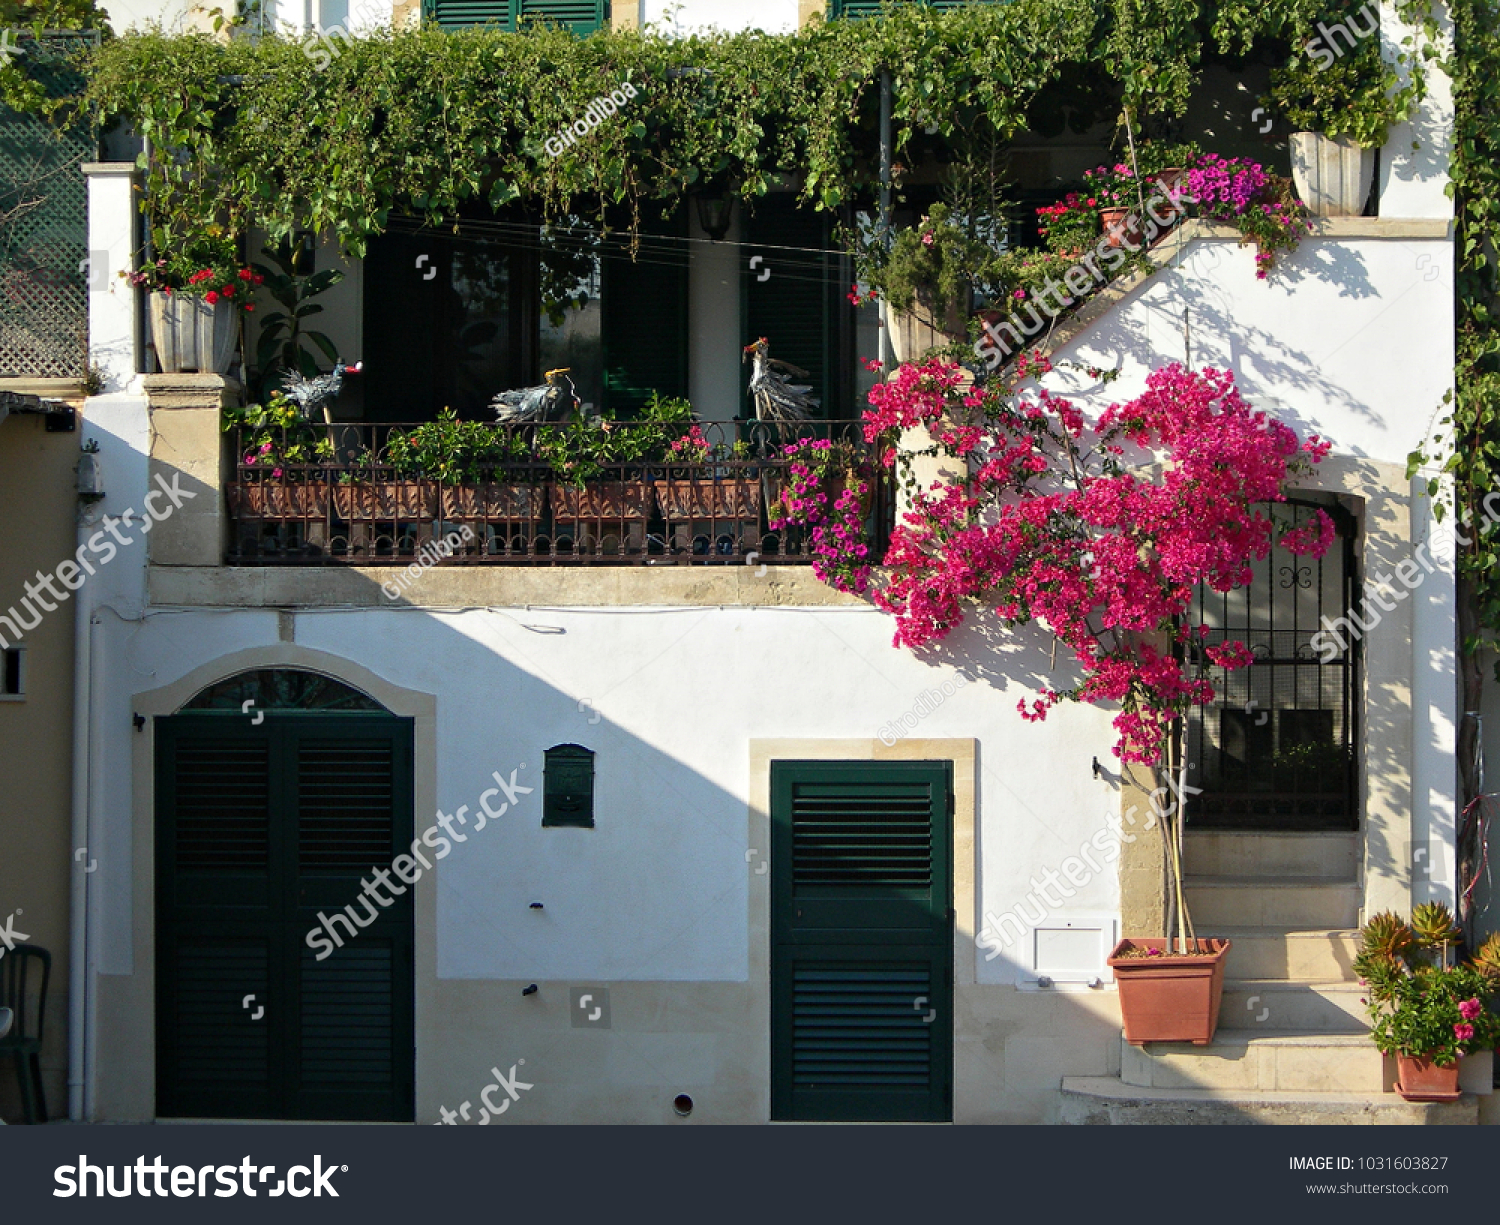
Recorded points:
(1170,998)
(1421,1080)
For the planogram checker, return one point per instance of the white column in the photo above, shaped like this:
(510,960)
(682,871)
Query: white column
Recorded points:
(114,340)
(1412,180)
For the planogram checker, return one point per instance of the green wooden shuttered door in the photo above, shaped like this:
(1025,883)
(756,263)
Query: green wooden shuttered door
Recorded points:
(645,316)
(861,941)
(581,16)
(259,828)
(798,307)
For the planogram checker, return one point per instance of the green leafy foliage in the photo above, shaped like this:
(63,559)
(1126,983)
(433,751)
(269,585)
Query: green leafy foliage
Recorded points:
(1419,1004)
(453,452)
(282,332)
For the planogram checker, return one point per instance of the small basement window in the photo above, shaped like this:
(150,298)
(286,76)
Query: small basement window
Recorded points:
(13,675)
(568,786)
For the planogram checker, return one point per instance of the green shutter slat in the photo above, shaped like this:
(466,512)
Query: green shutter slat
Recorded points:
(344,792)
(347,1018)
(645,318)
(583,17)
(796,307)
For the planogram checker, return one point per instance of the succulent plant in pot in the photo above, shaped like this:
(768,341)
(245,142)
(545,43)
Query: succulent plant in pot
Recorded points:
(1426,1008)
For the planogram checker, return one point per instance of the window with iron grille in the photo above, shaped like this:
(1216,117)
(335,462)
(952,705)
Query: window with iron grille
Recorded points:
(1276,748)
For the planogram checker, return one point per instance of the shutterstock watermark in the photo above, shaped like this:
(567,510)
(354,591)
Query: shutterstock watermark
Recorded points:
(513,1085)
(73,572)
(431,552)
(243,1179)
(926,703)
(594,114)
(1327,55)
(1339,633)
(323,45)
(409,867)
(1093,271)
(1000,932)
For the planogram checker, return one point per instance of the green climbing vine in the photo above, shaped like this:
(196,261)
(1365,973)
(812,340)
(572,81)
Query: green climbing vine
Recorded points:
(335,137)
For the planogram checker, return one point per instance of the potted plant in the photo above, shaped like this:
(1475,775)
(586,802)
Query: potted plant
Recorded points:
(279,348)
(1341,103)
(1116,193)
(1425,1008)
(1169,994)
(197,298)
(1260,205)
(280,464)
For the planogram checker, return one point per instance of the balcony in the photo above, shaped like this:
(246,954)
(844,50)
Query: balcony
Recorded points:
(466,493)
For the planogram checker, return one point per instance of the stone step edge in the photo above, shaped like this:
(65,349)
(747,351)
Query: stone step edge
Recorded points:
(1116,1090)
(1269,882)
(1270,1037)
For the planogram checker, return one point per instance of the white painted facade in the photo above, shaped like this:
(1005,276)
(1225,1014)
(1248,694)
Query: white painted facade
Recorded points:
(1351,339)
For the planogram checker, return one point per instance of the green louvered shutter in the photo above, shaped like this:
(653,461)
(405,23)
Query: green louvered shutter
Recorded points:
(583,17)
(800,307)
(645,316)
(259,828)
(862,941)
(870,8)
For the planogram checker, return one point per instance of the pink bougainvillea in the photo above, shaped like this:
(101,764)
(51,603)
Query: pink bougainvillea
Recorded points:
(1100,533)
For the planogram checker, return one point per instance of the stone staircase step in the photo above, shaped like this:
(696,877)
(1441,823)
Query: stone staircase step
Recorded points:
(1308,901)
(1100,1099)
(1265,1005)
(1255,1062)
(1322,955)
(1235,853)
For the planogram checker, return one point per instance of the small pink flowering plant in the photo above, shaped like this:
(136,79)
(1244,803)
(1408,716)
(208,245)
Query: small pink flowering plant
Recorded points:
(1421,1002)
(828,491)
(1054,519)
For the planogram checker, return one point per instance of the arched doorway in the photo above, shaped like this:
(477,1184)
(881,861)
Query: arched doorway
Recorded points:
(284,980)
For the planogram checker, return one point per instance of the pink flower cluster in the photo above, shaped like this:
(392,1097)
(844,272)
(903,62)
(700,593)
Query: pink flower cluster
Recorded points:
(1225,185)
(837,540)
(1050,525)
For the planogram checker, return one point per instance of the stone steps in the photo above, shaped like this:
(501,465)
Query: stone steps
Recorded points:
(1271,1004)
(1263,901)
(1305,955)
(1099,1099)
(1254,1062)
(1272,853)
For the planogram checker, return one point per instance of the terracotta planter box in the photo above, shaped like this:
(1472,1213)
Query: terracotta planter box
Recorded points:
(683,498)
(1421,1080)
(1119,229)
(275,500)
(1170,998)
(613,501)
(390,500)
(511,503)
(191,336)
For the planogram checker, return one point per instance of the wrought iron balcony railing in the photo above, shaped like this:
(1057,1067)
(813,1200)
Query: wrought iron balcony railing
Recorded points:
(631,493)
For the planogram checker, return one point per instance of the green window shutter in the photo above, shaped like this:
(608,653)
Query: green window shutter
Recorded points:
(799,308)
(861,941)
(871,8)
(583,17)
(645,317)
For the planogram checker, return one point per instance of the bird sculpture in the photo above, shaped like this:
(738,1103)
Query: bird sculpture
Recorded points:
(777,398)
(317,393)
(554,400)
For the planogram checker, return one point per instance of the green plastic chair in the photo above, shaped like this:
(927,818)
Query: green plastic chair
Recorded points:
(24,1041)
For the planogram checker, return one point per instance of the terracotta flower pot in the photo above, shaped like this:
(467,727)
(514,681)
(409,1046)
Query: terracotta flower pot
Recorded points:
(1170,997)
(387,500)
(192,336)
(1120,228)
(1421,1080)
